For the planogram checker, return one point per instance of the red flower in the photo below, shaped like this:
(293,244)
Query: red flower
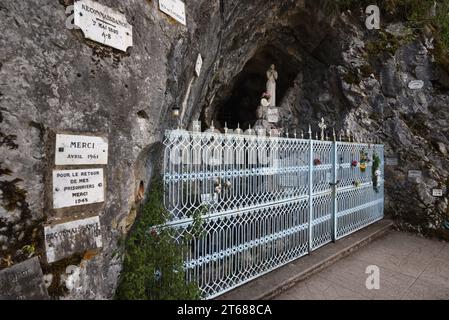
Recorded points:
(266,95)
(154,233)
(354,163)
(317,162)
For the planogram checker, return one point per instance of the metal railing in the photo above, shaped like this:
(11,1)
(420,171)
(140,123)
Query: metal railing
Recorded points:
(265,201)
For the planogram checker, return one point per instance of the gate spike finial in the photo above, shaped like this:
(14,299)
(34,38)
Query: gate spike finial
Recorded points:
(238,130)
(286,132)
(327,136)
(294,133)
(226,127)
(316,136)
(250,132)
(310,132)
(333,134)
(302,134)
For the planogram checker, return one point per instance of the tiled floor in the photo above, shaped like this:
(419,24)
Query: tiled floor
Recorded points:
(410,267)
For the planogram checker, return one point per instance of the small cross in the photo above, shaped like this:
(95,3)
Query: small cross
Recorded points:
(323,127)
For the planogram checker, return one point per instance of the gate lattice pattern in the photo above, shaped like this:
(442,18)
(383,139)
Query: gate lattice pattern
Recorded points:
(267,200)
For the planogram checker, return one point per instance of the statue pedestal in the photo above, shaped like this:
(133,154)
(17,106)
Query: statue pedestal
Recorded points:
(273,115)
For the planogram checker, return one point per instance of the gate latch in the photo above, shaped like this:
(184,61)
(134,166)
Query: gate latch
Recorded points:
(334,184)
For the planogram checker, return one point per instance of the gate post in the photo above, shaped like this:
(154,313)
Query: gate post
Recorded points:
(334,188)
(310,189)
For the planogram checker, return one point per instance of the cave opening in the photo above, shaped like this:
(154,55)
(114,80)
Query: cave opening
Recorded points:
(238,102)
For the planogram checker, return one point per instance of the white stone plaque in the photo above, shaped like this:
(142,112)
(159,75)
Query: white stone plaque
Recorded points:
(272,115)
(65,239)
(77,187)
(198,65)
(175,9)
(437,192)
(414,173)
(77,149)
(416,84)
(208,198)
(23,281)
(103,24)
(391,161)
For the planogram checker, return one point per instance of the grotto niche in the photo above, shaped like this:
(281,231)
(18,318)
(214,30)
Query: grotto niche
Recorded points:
(237,103)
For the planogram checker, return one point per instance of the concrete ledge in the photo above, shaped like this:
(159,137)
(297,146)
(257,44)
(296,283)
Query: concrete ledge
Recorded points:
(273,283)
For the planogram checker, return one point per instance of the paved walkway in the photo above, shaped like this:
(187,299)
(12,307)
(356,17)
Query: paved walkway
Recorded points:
(410,267)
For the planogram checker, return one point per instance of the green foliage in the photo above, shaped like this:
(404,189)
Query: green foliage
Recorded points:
(442,44)
(29,249)
(375,167)
(417,15)
(153,264)
(387,42)
(351,77)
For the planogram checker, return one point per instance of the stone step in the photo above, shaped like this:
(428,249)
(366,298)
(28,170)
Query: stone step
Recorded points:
(277,281)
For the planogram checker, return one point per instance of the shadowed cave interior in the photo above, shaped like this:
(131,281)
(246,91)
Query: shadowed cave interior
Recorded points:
(239,100)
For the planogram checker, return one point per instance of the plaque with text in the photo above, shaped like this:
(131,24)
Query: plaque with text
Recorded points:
(209,198)
(437,192)
(416,84)
(80,150)
(23,281)
(65,239)
(103,24)
(391,161)
(77,187)
(272,115)
(175,9)
(414,173)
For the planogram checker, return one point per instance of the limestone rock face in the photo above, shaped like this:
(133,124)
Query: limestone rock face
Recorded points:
(53,80)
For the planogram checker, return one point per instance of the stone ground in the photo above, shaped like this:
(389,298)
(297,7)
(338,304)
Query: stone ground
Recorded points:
(410,268)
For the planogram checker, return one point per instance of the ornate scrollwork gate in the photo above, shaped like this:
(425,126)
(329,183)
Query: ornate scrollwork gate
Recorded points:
(265,201)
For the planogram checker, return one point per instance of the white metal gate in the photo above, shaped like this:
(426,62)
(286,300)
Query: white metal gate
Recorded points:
(265,201)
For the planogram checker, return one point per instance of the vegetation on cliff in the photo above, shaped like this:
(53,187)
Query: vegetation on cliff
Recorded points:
(153,264)
(421,16)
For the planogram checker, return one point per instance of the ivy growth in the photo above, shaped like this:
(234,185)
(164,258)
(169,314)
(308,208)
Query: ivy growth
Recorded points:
(375,167)
(153,261)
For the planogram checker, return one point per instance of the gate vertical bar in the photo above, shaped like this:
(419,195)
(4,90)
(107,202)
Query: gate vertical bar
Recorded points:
(310,189)
(334,187)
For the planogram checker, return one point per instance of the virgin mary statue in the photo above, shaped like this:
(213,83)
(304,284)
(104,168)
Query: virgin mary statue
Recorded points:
(272,76)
